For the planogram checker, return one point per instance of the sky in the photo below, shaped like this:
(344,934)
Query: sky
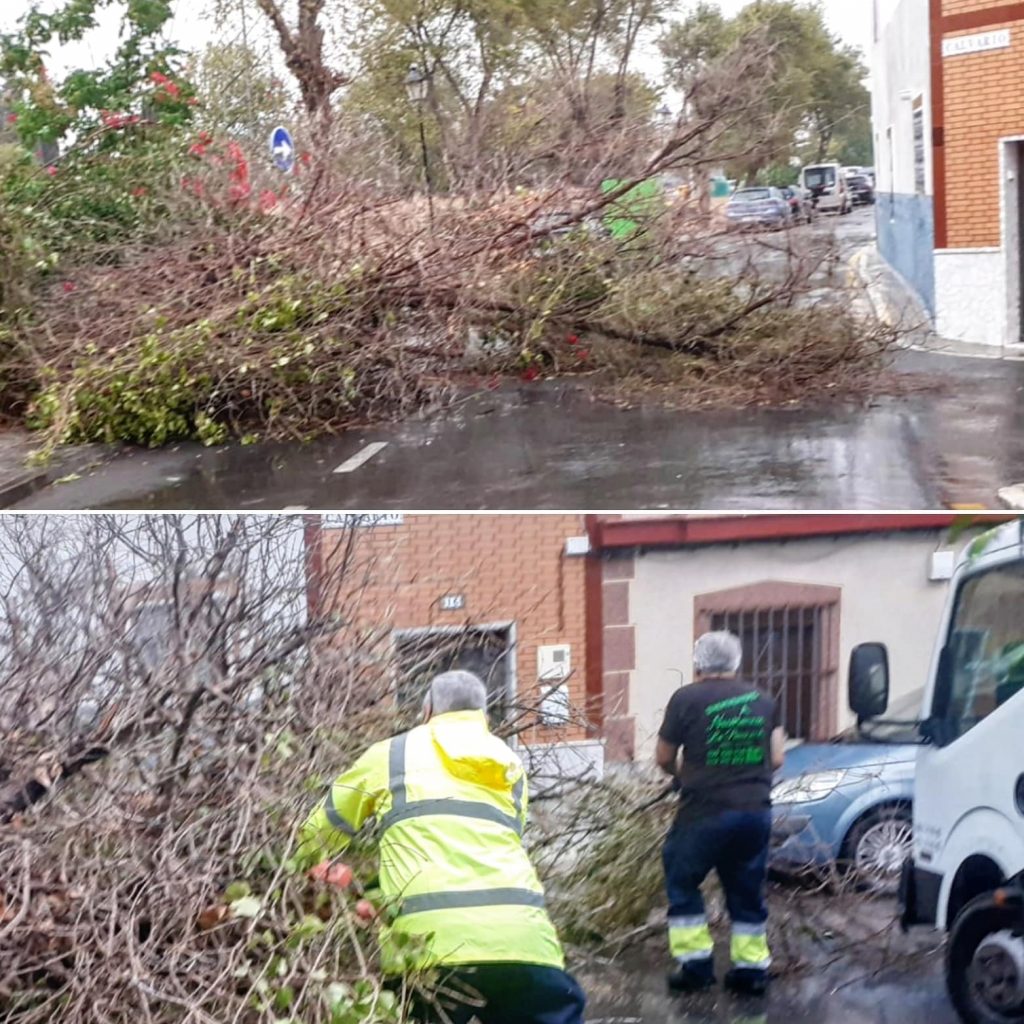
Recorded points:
(848,19)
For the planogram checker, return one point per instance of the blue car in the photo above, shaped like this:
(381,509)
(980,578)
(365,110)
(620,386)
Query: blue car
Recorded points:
(848,803)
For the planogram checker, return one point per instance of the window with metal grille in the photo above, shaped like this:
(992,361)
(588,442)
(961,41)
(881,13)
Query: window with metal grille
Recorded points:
(790,637)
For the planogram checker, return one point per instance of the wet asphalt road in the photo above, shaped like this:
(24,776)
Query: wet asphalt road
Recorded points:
(953,439)
(833,986)
(553,447)
(886,999)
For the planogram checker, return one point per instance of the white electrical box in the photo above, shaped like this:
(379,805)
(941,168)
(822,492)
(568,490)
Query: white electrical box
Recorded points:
(577,545)
(554,705)
(943,564)
(553,663)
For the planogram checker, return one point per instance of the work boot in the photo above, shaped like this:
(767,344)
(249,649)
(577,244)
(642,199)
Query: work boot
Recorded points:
(747,981)
(693,976)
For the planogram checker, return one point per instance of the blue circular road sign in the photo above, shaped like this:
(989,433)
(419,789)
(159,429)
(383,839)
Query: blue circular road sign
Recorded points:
(282,149)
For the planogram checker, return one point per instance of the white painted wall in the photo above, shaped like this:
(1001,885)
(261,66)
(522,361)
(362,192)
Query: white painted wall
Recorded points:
(900,71)
(970,295)
(886,596)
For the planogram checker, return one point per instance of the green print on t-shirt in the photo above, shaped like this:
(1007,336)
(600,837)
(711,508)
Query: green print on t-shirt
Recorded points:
(734,735)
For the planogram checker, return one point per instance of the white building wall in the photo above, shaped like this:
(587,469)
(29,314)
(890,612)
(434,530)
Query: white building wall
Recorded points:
(970,291)
(900,72)
(886,596)
(901,82)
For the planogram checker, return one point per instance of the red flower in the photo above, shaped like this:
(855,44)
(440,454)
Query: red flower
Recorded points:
(12,118)
(139,192)
(173,90)
(572,339)
(582,355)
(197,149)
(305,157)
(239,191)
(69,286)
(530,373)
(51,170)
(158,79)
(205,138)
(268,200)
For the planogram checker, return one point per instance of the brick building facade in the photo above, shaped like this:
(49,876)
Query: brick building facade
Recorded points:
(503,595)
(948,109)
(623,597)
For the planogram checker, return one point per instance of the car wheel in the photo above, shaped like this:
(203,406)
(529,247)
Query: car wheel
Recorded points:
(877,846)
(985,963)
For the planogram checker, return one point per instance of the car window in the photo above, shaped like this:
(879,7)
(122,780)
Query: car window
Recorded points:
(817,176)
(985,649)
(751,195)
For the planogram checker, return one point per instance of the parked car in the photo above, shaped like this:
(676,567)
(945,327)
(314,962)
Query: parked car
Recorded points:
(801,205)
(861,188)
(758,207)
(848,804)
(827,186)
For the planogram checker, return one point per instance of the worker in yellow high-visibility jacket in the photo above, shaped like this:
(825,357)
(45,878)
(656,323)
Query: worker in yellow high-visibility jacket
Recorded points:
(450,800)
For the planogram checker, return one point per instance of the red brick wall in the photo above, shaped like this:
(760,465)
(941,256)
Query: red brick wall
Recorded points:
(508,567)
(981,101)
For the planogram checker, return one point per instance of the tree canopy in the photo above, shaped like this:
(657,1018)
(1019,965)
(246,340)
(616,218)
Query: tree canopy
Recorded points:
(814,94)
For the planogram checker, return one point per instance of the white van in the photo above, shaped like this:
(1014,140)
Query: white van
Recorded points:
(827,185)
(967,871)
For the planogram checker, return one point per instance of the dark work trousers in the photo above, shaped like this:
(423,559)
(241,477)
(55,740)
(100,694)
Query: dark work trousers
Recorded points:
(509,993)
(735,844)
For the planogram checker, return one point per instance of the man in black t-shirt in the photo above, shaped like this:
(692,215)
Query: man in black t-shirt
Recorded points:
(731,739)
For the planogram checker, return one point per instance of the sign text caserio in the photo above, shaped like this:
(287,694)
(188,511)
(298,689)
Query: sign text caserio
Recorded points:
(978,43)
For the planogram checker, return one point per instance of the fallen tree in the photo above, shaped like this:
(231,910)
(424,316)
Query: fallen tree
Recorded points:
(239,310)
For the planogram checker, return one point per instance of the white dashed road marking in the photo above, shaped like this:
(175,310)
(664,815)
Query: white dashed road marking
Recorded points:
(360,457)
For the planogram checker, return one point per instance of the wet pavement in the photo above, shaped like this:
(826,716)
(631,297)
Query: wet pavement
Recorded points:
(889,998)
(950,433)
(539,446)
(840,960)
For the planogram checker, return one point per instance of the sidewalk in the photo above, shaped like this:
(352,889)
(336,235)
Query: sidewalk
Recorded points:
(894,302)
(19,479)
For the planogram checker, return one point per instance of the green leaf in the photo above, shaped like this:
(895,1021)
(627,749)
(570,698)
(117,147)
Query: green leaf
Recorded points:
(247,906)
(338,995)
(237,891)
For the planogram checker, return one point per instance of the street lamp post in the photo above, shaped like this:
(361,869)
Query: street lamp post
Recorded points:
(417,86)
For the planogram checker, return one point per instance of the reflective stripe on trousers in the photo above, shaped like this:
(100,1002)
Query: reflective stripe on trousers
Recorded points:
(749,946)
(689,938)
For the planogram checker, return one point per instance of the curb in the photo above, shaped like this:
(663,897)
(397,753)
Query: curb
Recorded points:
(1012,497)
(18,488)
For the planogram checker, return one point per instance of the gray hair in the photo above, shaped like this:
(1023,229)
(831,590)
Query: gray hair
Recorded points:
(456,691)
(719,653)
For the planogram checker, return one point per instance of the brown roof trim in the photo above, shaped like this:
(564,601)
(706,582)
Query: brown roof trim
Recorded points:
(681,531)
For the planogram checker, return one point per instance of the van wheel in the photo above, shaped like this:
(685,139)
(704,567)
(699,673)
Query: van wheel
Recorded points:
(985,963)
(877,846)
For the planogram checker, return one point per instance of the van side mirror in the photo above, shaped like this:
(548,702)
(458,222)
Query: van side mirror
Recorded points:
(868,681)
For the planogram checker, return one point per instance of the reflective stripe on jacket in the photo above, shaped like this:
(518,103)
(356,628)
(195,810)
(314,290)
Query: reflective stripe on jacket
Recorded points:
(451,801)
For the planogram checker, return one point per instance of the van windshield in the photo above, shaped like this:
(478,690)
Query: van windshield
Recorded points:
(816,177)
